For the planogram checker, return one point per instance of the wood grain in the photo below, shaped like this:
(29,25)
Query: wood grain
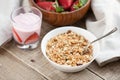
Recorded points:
(13,69)
(110,71)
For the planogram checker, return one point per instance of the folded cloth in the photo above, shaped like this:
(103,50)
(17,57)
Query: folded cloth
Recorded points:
(6,7)
(107,14)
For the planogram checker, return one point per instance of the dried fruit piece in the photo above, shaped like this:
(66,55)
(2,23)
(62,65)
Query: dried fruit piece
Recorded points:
(33,38)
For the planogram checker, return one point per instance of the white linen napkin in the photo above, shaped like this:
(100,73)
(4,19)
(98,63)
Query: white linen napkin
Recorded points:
(6,7)
(107,14)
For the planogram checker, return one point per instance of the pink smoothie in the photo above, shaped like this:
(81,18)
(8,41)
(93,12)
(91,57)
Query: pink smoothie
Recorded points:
(26,28)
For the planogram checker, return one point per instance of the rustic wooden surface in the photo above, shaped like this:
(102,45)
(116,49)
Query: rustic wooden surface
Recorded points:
(16,64)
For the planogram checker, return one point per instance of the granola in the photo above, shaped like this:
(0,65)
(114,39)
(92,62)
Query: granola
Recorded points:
(67,49)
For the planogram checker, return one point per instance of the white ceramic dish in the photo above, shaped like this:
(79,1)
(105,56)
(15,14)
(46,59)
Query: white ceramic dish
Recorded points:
(88,35)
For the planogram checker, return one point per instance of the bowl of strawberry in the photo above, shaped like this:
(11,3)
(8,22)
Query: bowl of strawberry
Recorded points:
(62,12)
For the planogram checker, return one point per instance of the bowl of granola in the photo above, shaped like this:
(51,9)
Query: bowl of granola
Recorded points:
(63,47)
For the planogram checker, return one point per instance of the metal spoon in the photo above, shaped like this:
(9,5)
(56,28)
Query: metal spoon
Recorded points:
(86,47)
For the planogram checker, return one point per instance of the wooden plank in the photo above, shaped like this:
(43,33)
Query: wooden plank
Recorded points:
(13,69)
(110,71)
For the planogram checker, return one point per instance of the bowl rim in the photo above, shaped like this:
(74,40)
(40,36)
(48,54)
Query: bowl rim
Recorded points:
(67,66)
(33,2)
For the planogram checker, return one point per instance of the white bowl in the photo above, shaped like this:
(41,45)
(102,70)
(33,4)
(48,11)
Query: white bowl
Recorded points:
(88,35)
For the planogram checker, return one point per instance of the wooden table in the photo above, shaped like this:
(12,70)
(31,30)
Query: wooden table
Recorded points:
(16,64)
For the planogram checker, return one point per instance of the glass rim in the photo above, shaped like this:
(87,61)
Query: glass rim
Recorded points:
(11,16)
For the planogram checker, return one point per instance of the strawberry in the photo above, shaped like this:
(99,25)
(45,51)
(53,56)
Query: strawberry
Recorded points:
(50,6)
(77,4)
(33,38)
(17,36)
(47,5)
(66,3)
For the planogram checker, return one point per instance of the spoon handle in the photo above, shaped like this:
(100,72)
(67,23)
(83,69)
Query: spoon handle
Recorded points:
(113,30)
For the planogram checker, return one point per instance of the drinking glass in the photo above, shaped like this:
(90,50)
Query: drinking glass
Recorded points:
(26,27)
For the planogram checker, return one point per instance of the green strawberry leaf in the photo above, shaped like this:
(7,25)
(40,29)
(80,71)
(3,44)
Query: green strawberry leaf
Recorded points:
(76,6)
(83,2)
(57,7)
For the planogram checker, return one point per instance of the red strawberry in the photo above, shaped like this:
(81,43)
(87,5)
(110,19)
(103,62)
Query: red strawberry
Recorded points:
(17,36)
(50,6)
(66,3)
(46,5)
(33,38)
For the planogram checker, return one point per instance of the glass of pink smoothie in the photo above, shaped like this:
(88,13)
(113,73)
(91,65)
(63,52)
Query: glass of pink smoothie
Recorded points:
(26,27)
